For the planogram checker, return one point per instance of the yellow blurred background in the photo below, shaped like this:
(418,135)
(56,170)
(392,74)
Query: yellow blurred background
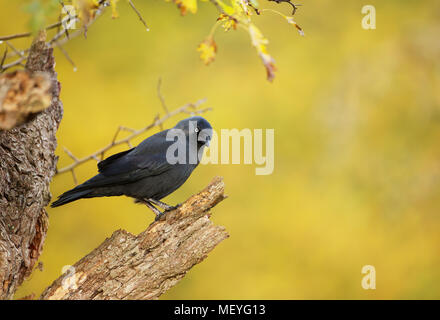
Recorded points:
(356,115)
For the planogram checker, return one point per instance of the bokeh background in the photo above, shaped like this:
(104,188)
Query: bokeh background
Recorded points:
(356,115)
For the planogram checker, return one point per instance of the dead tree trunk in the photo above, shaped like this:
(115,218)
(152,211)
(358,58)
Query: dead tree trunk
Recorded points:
(126,266)
(27,165)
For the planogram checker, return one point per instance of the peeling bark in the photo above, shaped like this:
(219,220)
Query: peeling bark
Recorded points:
(144,266)
(22,95)
(27,165)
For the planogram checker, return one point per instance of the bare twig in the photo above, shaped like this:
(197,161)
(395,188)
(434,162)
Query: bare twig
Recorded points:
(68,20)
(61,37)
(66,55)
(294,6)
(3,60)
(122,128)
(138,14)
(62,32)
(160,96)
(75,180)
(70,154)
(189,108)
(17,52)
(28,34)
(218,6)
(13,54)
(57,40)
(15,63)
(72,35)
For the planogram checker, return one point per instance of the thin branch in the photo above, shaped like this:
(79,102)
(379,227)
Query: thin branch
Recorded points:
(58,35)
(161,97)
(138,14)
(68,20)
(196,112)
(28,34)
(17,52)
(21,52)
(3,60)
(190,108)
(294,6)
(75,180)
(15,63)
(122,128)
(60,38)
(66,55)
(64,40)
(57,40)
(70,154)
(218,6)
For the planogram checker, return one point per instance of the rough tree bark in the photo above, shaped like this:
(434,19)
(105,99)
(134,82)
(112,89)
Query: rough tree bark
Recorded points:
(126,266)
(27,165)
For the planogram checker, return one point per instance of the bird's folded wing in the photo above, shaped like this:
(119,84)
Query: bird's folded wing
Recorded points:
(106,163)
(147,159)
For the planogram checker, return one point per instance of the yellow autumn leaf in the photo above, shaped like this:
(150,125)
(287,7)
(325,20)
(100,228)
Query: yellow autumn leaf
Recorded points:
(114,10)
(228,22)
(260,43)
(207,49)
(186,5)
(292,22)
(86,9)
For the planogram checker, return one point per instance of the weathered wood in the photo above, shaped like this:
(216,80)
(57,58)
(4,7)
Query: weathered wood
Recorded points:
(126,266)
(27,165)
(23,95)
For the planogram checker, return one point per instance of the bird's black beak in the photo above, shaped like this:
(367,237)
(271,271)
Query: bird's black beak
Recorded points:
(205,136)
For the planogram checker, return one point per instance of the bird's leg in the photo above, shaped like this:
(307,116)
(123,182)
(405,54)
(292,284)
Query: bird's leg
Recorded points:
(162,205)
(149,203)
(156,211)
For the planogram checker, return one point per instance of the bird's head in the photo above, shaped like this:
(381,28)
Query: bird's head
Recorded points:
(197,127)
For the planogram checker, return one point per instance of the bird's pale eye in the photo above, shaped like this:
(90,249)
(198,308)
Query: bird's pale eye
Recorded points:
(196,130)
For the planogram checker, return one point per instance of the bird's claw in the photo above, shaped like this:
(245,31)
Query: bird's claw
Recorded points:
(170,208)
(173,207)
(158,216)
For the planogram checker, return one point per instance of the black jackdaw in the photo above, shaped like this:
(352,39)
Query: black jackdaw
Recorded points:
(149,172)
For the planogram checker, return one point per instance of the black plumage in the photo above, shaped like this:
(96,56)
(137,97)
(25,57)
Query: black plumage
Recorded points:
(144,172)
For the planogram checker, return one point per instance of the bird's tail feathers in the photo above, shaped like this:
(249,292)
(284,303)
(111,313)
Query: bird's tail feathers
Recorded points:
(70,196)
